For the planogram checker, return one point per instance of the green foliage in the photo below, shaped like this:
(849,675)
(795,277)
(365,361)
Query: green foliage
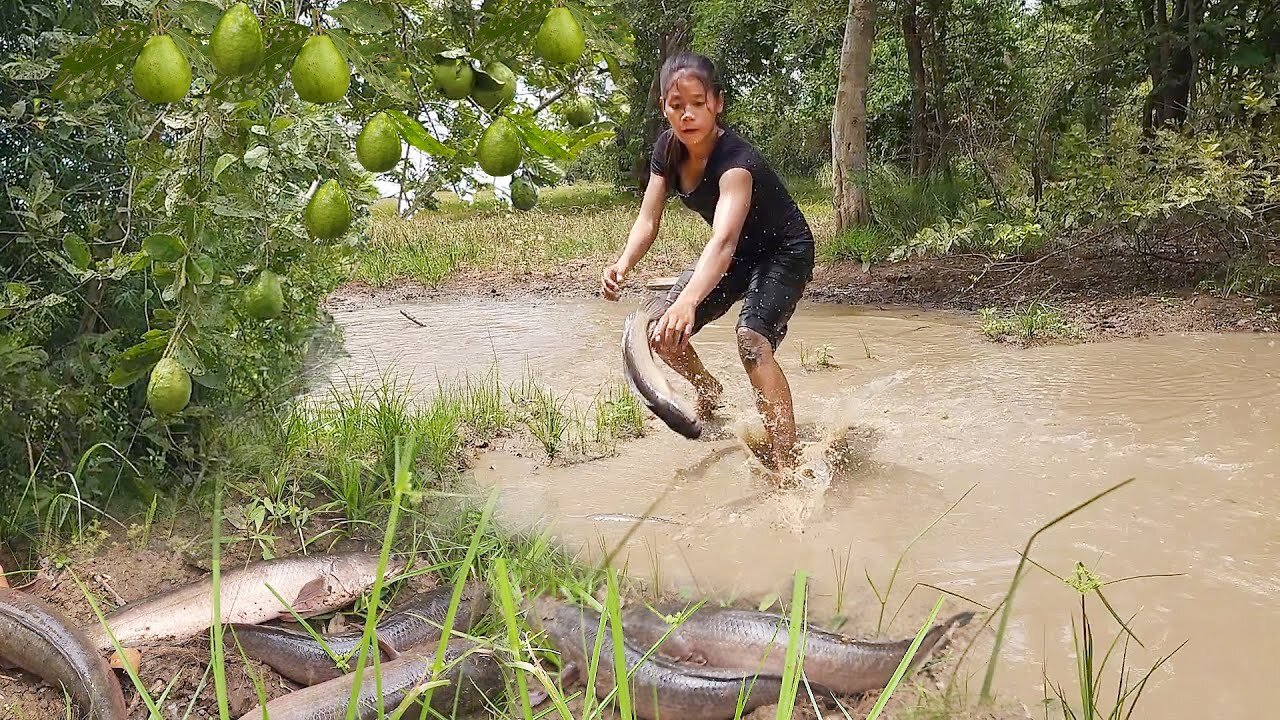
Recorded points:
(979,227)
(1232,176)
(1037,322)
(133,229)
(867,245)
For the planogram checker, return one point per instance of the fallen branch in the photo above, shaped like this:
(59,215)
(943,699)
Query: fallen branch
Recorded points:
(413,319)
(1027,266)
(102,580)
(1165,258)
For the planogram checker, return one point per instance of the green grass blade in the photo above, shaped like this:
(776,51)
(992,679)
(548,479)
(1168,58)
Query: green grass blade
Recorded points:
(795,647)
(506,601)
(404,471)
(115,643)
(906,661)
(621,676)
(459,580)
(897,566)
(215,641)
(990,676)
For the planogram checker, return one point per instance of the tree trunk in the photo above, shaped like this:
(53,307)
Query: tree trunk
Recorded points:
(919,88)
(849,121)
(671,42)
(939,23)
(1171,59)
(659,29)
(1147,19)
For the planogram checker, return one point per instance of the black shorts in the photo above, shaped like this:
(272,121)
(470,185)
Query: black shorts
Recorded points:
(770,288)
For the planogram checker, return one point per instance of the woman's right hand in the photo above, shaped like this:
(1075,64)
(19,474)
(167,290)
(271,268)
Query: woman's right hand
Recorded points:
(611,283)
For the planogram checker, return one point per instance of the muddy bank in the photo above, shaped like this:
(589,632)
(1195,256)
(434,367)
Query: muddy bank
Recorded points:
(115,572)
(1105,293)
(119,569)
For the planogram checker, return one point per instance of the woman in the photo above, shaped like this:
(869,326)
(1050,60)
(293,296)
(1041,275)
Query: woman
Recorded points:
(761,249)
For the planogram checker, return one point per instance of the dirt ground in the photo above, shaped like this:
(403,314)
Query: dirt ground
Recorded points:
(1104,292)
(119,570)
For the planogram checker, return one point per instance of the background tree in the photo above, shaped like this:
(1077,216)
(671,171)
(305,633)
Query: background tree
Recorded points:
(849,123)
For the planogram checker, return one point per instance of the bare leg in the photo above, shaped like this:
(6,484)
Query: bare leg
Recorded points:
(773,396)
(687,363)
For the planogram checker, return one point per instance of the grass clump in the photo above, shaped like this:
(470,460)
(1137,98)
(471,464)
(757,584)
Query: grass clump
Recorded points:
(867,245)
(1038,322)
(1251,275)
(816,358)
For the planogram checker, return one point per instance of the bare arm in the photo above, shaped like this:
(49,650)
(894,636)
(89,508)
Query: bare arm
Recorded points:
(645,229)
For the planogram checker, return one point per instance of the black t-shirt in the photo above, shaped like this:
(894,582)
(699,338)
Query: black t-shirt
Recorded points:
(774,224)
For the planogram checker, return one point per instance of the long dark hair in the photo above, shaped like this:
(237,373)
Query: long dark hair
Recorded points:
(697,66)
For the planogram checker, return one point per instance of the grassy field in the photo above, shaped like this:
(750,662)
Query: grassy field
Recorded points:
(582,222)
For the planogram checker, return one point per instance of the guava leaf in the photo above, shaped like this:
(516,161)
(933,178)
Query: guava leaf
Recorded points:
(214,381)
(224,161)
(194,50)
(140,357)
(360,16)
(417,136)
(100,64)
(200,269)
(123,377)
(77,250)
(189,359)
(371,56)
(539,140)
(163,247)
(197,15)
(256,157)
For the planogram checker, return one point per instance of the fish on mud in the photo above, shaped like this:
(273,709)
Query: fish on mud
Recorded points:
(752,640)
(310,584)
(649,382)
(475,681)
(659,688)
(628,518)
(296,655)
(42,641)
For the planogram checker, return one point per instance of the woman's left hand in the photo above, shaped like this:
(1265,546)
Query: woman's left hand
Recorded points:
(675,326)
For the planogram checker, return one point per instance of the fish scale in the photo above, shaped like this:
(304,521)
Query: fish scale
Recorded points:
(296,655)
(646,379)
(752,640)
(659,689)
(474,679)
(45,643)
(311,584)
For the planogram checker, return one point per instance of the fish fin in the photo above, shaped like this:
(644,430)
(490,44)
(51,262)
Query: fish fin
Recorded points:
(133,656)
(570,674)
(387,648)
(310,593)
(537,696)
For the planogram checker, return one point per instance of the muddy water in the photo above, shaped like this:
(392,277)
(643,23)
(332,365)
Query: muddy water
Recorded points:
(929,411)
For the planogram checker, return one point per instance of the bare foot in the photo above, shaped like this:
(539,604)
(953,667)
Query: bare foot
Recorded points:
(709,399)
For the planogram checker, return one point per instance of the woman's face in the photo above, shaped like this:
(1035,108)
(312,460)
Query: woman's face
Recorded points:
(691,109)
